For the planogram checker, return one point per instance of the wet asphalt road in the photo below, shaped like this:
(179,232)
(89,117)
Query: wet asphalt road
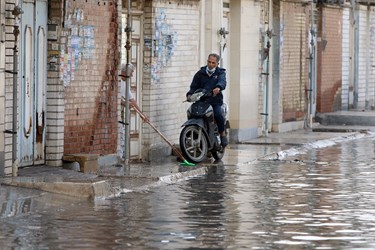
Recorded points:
(322,199)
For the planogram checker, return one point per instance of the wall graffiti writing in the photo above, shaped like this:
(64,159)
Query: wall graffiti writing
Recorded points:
(79,44)
(164,43)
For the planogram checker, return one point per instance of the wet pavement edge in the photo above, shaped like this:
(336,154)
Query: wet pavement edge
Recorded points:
(113,181)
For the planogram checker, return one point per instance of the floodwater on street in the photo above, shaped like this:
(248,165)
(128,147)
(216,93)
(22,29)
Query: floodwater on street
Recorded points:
(324,199)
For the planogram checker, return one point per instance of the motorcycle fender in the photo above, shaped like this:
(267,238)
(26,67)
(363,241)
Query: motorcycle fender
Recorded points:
(198,122)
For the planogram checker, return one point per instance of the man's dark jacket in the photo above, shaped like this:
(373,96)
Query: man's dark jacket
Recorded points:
(202,80)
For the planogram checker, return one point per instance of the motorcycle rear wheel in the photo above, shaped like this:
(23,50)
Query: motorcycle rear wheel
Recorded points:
(193,144)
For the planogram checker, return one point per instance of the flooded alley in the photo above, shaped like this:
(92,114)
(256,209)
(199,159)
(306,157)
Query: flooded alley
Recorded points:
(320,199)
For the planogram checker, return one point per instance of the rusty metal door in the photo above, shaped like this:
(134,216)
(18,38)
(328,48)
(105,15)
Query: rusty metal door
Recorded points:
(33,78)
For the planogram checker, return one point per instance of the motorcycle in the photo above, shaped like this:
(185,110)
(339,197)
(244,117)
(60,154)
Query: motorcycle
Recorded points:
(200,136)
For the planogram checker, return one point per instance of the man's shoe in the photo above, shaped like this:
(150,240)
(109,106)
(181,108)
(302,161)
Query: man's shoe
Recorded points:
(224,141)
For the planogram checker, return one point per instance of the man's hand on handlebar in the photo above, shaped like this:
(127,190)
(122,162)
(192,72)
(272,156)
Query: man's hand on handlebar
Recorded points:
(216,91)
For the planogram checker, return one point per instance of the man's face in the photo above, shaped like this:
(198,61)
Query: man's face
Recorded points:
(211,62)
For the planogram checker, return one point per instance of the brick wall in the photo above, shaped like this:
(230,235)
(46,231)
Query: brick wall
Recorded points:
(293,63)
(168,72)
(89,57)
(329,60)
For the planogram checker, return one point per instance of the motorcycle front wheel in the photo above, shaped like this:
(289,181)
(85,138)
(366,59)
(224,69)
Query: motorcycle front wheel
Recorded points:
(193,144)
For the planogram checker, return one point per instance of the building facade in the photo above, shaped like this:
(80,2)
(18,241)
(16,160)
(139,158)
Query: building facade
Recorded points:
(286,60)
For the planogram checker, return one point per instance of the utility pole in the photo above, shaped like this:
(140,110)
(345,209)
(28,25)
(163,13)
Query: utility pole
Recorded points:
(355,19)
(128,31)
(266,67)
(312,69)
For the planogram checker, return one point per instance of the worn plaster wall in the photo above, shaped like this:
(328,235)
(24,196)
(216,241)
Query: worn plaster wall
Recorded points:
(171,50)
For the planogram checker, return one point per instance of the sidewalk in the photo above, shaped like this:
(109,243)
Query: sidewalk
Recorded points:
(115,180)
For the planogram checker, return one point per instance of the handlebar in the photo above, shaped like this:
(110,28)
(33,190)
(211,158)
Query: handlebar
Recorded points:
(198,95)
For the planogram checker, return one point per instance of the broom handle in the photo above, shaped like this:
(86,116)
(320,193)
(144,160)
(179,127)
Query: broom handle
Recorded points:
(157,131)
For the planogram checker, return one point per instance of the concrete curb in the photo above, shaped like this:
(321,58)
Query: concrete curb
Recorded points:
(89,190)
(282,155)
(163,180)
(183,175)
(95,190)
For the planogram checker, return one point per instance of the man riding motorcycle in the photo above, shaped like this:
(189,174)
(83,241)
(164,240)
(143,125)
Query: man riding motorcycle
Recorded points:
(212,78)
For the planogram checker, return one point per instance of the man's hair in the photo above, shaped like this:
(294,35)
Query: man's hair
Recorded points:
(215,55)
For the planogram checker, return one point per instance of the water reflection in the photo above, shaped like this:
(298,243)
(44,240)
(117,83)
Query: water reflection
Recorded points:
(12,207)
(320,200)
(209,209)
(318,203)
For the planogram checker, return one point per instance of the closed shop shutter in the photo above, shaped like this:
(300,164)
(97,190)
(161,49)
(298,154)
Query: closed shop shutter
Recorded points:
(293,63)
